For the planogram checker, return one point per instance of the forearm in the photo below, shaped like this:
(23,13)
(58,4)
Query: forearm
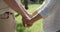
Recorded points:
(36,18)
(16,7)
(34,14)
(38,9)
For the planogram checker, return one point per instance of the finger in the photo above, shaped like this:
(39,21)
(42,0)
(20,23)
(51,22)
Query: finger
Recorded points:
(23,21)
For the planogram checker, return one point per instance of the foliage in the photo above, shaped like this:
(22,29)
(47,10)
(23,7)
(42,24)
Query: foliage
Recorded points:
(41,1)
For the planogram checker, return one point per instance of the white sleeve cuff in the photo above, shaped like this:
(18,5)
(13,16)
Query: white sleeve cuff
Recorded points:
(43,15)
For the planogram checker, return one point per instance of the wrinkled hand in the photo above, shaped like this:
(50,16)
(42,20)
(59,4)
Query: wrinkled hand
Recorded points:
(27,22)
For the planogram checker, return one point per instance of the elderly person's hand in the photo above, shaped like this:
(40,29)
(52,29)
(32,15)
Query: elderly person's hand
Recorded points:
(26,22)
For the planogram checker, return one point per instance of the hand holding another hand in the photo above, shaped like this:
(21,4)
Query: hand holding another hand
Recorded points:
(26,22)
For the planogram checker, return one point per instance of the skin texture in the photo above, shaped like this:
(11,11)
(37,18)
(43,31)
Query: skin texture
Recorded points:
(27,19)
(29,23)
(18,8)
(34,17)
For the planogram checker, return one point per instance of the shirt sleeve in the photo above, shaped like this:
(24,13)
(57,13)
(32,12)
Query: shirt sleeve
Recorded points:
(46,8)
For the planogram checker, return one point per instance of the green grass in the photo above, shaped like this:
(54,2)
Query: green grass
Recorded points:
(33,7)
(37,26)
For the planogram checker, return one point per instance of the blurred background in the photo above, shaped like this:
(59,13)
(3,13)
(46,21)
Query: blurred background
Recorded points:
(30,6)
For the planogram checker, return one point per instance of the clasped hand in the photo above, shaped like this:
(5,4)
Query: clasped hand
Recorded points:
(27,22)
